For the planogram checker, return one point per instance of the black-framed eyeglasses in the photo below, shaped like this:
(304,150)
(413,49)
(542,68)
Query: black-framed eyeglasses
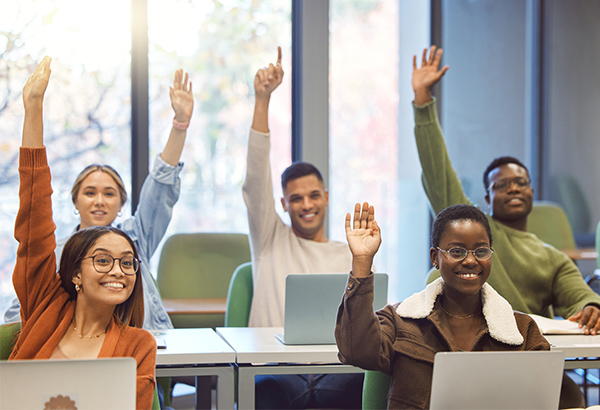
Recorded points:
(504,184)
(458,254)
(104,263)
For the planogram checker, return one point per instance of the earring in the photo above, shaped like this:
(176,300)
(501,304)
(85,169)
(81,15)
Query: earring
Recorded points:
(435,265)
(76,211)
(77,288)
(119,213)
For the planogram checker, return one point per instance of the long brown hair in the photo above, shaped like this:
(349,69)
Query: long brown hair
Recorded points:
(128,313)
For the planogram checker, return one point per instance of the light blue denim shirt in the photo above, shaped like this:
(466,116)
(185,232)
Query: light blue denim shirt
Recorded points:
(146,228)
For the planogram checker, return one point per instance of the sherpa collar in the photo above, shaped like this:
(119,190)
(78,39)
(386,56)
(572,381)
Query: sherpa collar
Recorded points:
(498,313)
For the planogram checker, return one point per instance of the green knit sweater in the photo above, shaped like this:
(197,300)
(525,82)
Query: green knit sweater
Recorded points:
(532,275)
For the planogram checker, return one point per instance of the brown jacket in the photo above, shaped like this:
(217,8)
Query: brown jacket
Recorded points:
(402,340)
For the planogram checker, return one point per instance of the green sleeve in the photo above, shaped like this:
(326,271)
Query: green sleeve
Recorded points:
(442,186)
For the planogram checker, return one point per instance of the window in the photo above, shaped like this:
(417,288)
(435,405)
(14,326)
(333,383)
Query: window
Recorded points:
(86,110)
(371,144)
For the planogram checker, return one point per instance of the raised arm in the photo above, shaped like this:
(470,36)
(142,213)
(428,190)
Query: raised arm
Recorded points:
(258,184)
(428,75)
(182,102)
(161,188)
(33,101)
(34,276)
(364,238)
(441,184)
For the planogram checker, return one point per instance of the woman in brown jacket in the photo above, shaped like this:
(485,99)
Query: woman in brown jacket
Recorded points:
(457,312)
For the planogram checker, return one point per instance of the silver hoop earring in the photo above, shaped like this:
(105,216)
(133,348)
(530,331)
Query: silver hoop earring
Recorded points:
(77,288)
(76,211)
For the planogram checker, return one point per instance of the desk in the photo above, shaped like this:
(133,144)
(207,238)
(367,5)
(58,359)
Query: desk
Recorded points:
(259,352)
(198,352)
(581,253)
(195,306)
(581,351)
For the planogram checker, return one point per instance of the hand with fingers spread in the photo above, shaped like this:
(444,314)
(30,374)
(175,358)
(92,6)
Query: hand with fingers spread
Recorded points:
(364,238)
(182,100)
(268,79)
(424,78)
(588,318)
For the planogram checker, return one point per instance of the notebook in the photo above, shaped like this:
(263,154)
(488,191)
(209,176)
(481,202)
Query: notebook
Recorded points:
(497,380)
(68,384)
(311,304)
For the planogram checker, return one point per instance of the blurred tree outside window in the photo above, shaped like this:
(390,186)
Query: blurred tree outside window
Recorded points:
(221,44)
(87,105)
(372,153)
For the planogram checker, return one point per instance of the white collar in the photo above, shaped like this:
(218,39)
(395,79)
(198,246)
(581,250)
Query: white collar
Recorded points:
(498,313)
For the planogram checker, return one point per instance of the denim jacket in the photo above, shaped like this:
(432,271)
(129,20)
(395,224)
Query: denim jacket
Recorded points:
(146,228)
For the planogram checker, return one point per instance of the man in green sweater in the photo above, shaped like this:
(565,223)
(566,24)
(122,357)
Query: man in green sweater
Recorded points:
(533,276)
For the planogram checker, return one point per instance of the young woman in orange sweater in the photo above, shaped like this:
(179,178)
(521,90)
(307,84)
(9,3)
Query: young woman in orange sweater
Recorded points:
(94,306)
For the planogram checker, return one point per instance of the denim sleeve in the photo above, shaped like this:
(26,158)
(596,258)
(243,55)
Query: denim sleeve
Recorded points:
(159,194)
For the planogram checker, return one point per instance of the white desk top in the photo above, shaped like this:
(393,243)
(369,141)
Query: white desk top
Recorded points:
(575,345)
(259,345)
(192,346)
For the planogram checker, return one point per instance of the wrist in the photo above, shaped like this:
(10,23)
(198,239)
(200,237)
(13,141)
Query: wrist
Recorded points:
(422,96)
(180,125)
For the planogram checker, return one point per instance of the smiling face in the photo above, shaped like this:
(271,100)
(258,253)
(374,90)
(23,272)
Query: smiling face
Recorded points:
(98,200)
(105,289)
(512,204)
(467,276)
(306,200)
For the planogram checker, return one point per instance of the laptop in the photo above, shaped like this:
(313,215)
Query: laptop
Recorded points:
(311,304)
(497,380)
(68,384)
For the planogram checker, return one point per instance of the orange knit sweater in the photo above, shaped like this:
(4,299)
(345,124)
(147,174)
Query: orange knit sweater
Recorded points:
(46,310)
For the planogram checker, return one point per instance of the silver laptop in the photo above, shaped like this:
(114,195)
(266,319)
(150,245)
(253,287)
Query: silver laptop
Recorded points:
(497,380)
(68,384)
(311,304)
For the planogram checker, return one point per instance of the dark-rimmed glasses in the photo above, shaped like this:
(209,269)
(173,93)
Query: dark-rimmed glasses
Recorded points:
(504,184)
(104,263)
(458,254)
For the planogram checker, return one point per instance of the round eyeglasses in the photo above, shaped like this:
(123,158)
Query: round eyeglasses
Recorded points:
(104,263)
(505,183)
(458,254)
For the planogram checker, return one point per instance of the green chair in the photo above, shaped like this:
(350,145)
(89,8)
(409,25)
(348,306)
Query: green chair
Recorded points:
(549,222)
(239,296)
(9,333)
(568,192)
(199,266)
(375,390)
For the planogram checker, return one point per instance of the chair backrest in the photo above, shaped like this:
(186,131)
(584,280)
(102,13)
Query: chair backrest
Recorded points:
(375,390)
(199,266)
(549,222)
(239,296)
(432,274)
(9,333)
(567,191)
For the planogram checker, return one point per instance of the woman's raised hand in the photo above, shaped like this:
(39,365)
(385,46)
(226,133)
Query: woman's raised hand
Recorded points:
(35,87)
(182,100)
(364,238)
